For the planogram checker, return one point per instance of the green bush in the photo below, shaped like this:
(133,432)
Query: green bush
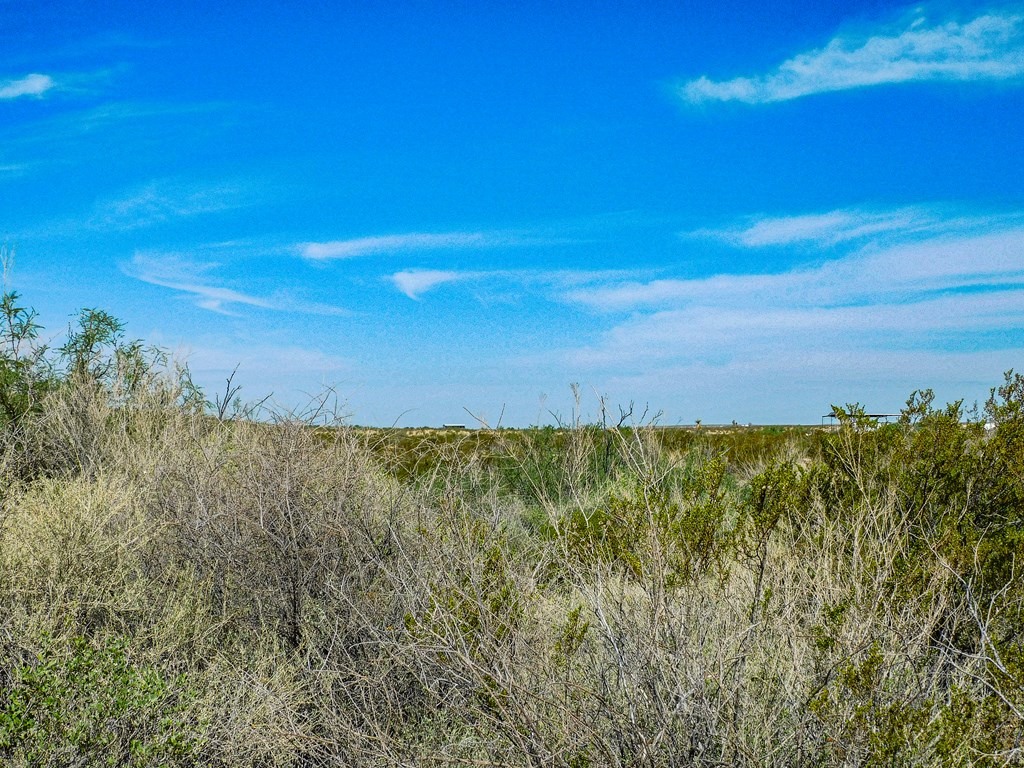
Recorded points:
(82,703)
(656,531)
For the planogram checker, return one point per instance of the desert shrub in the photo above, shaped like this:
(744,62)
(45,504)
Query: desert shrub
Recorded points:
(272,516)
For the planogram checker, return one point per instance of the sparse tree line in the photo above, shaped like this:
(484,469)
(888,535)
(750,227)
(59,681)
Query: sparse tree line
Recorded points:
(181,585)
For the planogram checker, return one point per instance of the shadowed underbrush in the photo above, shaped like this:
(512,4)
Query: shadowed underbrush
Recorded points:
(183,586)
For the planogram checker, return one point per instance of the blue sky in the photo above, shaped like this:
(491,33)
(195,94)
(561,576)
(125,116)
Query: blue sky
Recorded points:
(735,210)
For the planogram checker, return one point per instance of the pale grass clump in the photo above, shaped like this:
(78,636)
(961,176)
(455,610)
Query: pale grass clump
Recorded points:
(74,548)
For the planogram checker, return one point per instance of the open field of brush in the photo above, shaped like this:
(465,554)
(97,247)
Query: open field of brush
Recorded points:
(182,584)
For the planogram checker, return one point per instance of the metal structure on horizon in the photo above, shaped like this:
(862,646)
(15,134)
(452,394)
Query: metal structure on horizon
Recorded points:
(884,418)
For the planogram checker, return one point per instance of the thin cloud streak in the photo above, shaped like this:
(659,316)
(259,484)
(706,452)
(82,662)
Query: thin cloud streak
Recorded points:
(416,282)
(156,203)
(847,224)
(873,273)
(30,85)
(989,47)
(178,274)
(829,228)
(754,333)
(413,242)
(212,297)
(392,244)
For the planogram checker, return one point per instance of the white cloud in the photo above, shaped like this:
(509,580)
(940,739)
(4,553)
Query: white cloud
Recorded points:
(389,244)
(830,228)
(891,313)
(415,282)
(989,47)
(30,85)
(179,274)
(753,330)
(172,271)
(853,225)
(876,272)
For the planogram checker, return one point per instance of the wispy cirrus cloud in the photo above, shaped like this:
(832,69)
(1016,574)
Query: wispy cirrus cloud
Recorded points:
(13,169)
(748,331)
(30,85)
(155,203)
(845,225)
(164,200)
(416,282)
(401,243)
(982,251)
(170,270)
(829,228)
(988,47)
(949,285)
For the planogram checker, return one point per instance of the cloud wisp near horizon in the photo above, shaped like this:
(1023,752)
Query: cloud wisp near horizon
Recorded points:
(988,47)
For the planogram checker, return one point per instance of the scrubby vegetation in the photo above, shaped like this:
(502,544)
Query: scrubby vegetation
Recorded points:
(185,585)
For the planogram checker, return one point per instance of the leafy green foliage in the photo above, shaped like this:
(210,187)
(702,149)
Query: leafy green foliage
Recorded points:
(25,375)
(92,704)
(773,495)
(650,531)
(867,724)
